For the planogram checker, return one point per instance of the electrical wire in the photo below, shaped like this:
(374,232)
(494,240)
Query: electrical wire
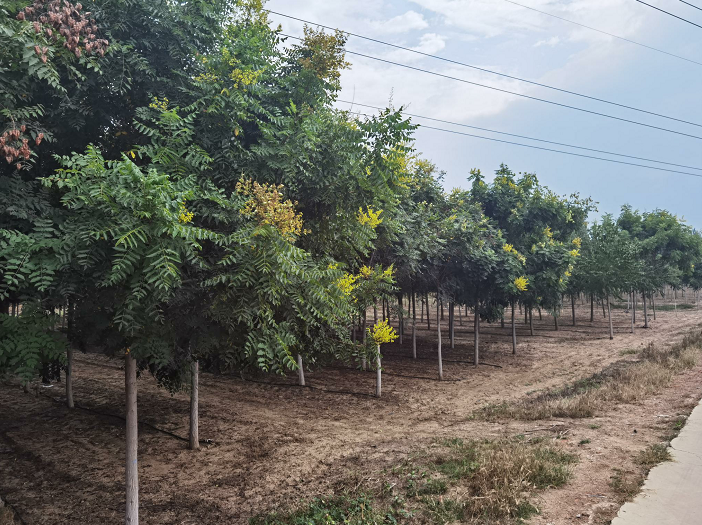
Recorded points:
(525,137)
(691,5)
(568,106)
(456,62)
(669,13)
(552,150)
(604,32)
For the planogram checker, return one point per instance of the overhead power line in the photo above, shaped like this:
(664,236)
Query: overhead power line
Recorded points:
(525,137)
(669,13)
(436,57)
(605,33)
(554,150)
(529,97)
(691,5)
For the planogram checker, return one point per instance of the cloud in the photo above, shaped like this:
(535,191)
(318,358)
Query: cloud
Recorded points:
(409,21)
(551,42)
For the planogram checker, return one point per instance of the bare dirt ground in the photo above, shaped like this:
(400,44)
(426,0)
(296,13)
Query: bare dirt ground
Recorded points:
(274,444)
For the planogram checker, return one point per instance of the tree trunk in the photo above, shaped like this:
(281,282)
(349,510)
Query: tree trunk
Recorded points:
(69,376)
(421,304)
(132,431)
(604,312)
(633,295)
(300,371)
(476,334)
(442,307)
(460,316)
(541,317)
(502,321)
(363,359)
(378,375)
(438,326)
(531,321)
(375,313)
(643,294)
(452,323)
(401,318)
(572,305)
(633,314)
(426,297)
(514,332)
(555,320)
(592,308)
(194,404)
(609,312)
(653,303)
(414,325)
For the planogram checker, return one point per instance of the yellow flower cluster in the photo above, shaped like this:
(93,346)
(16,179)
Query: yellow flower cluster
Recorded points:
(244,77)
(185,216)
(575,253)
(510,249)
(267,205)
(160,104)
(578,242)
(382,333)
(521,283)
(347,283)
(366,271)
(548,232)
(370,217)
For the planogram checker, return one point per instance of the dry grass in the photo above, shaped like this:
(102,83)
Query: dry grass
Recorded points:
(476,481)
(623,382)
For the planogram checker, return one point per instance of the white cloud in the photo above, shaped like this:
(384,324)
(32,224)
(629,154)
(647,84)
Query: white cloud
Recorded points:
(551,42)
(409,21)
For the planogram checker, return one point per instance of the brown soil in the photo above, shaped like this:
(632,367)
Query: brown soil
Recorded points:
(274,443)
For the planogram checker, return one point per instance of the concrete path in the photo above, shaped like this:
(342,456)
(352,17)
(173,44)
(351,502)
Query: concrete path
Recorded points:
(672,494)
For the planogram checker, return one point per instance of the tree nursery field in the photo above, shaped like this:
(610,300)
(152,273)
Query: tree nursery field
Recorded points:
(270,445)
(225,300)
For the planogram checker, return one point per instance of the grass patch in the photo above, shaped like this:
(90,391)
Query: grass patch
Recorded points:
(671,307)
(621,382)
(357,509)
(628,484)
(595,427)
(584,442)
(474,481)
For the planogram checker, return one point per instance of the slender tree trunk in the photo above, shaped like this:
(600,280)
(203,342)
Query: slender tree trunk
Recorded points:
(592,308)
(604,312)
(555,320)
(514,332)
(633,312)
(541,317)
(526,315)
(653,303)
(400,319)
(363,359)
(195,404)
(441,302)
(609,313)
(572,305)
(633,294)
(643,294)
(132,471)
(375,313)
(421,303)
(531,321)
(438,327)
(414,325)
(476,333)
(452,323)
(378,374)
(460,316)
(69,376)
(426,296)
(502,320)
(300,371)
(382,308)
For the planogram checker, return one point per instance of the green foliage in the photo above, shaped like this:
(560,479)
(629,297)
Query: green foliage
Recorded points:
(29,341)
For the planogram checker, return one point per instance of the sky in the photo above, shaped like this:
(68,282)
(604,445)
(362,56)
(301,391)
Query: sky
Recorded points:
(511,39)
